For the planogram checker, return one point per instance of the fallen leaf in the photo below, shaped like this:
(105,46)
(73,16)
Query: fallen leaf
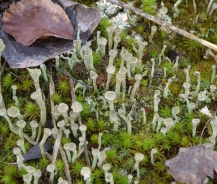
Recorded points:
(83,16)
(28,20)
(192,165)
(19,56)
(35,152)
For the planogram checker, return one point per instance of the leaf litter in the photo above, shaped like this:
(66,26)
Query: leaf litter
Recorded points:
(192,165)
(20,56)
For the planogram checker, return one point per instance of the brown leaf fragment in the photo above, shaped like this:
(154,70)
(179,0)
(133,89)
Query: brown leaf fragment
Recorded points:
(20,56)
(192,165)
(28,20)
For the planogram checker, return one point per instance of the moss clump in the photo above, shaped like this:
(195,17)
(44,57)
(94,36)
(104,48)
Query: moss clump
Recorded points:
(148,5)
(104,23)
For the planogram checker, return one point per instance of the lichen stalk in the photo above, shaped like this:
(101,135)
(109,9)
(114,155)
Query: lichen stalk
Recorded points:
(37,96)
(110,31)
(138,78)
(47,133)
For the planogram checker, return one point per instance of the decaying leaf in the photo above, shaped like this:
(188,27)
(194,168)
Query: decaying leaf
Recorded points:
(19,56)
(35,152)
(28,20)
(192,165)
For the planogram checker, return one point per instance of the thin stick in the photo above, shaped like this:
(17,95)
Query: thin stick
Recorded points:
(165,24)
(39,132)
(29,139)
(67,171)
(85,146)
(56,146)
(203,130)
(87,159)
(76,80)
(1,72)
(51,92)
(72,90)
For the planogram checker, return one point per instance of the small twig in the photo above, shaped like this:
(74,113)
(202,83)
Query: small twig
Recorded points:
(56,146)
(29,139)
(72,90)
(68,75)
(85,146)
(79,121)
(68,176)
(39,132)
(203,130)
(165,24)
(1,72)
(51,91)
(14,75)
(48,156)
(13,163)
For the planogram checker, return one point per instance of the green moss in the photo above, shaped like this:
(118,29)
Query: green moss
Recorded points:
(31,110)
(148,6)
(91,125)
(59,165)
(159,138)
(149,143)
(168,66)
(184,141)
(130,42)
(110,139)
(144,83)
(160,167)
(76,168)
(101,125)
(43,162)
(126,140)
(128,163)
(104,23)
(175,88)
(63,87)
(214,38)
(56,98)
(10,170)
(7,179)
(96,176)
(192,47)
(26,85)
(86,110)
(111,156)
(96,58)
(165,112)
(123,35)
(64,140)
(94,139)
(7,81)
(123,153)
(140,29)
(179,128)
(122,180)
(4,130)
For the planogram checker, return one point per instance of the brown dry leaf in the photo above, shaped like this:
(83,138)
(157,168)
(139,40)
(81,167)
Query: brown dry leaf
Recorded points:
(28,20)
(192,165)
(20,56)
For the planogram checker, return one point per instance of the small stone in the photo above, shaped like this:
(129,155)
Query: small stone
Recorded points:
(172,54)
